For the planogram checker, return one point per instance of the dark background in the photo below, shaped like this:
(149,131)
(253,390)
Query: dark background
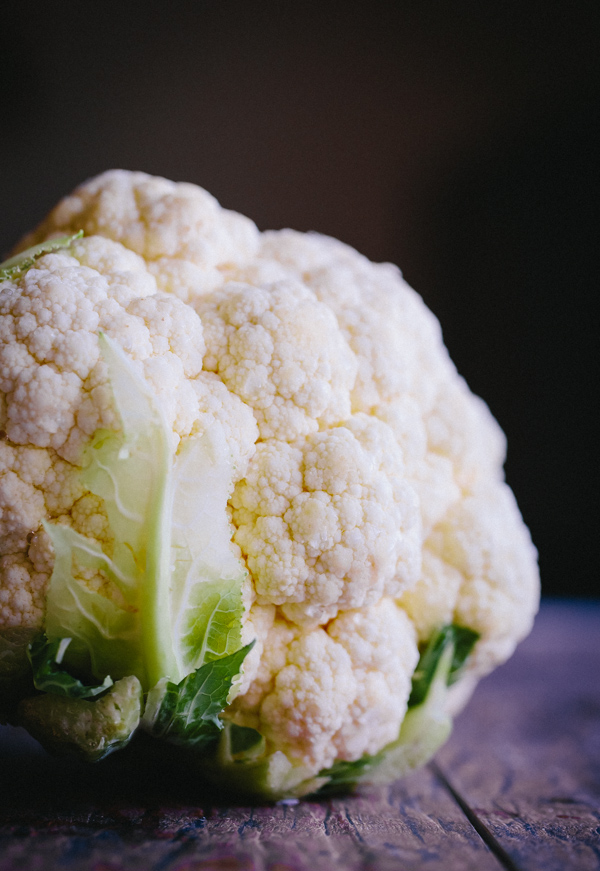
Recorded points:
(458,140)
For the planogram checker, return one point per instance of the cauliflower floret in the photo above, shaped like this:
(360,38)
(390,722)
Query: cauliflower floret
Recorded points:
(22,473)
(484,538)
(41,553)
(22,592)
(310,699)
(432,475)
(185,279)
(335,693)
(49,359)
(157,218)
(216,403)
(327,523)
(461,428)
(272,636)
(381,643)
(89,518)
(61,486)
(432,601)
(395,337)
(281,352)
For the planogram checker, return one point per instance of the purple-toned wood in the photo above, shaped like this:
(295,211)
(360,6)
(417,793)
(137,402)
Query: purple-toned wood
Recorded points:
(526,754)
(523,762)
(414,821)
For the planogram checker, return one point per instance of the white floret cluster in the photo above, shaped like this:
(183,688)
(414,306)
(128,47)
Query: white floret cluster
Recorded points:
(368,503)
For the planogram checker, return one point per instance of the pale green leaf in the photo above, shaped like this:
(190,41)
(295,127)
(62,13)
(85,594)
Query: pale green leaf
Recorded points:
(15,266)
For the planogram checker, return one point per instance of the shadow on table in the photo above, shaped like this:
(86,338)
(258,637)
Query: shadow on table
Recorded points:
(146,774)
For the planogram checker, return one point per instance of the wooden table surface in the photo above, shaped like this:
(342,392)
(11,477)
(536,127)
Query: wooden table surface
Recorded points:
(516,787)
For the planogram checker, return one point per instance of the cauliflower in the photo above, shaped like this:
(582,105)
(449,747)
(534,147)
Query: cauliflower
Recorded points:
(246,499)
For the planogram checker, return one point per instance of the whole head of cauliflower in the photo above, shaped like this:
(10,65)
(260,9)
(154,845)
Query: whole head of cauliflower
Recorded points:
(224,446)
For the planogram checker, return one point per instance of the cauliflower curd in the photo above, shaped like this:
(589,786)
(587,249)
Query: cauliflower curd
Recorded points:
(362,500)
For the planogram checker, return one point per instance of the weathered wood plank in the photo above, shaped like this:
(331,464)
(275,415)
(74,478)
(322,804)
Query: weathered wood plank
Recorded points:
(526,752)
(525,755)
(413,825)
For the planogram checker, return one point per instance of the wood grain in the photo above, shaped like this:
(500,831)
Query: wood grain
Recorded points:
(523,763)
(526,753)
(414,823)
